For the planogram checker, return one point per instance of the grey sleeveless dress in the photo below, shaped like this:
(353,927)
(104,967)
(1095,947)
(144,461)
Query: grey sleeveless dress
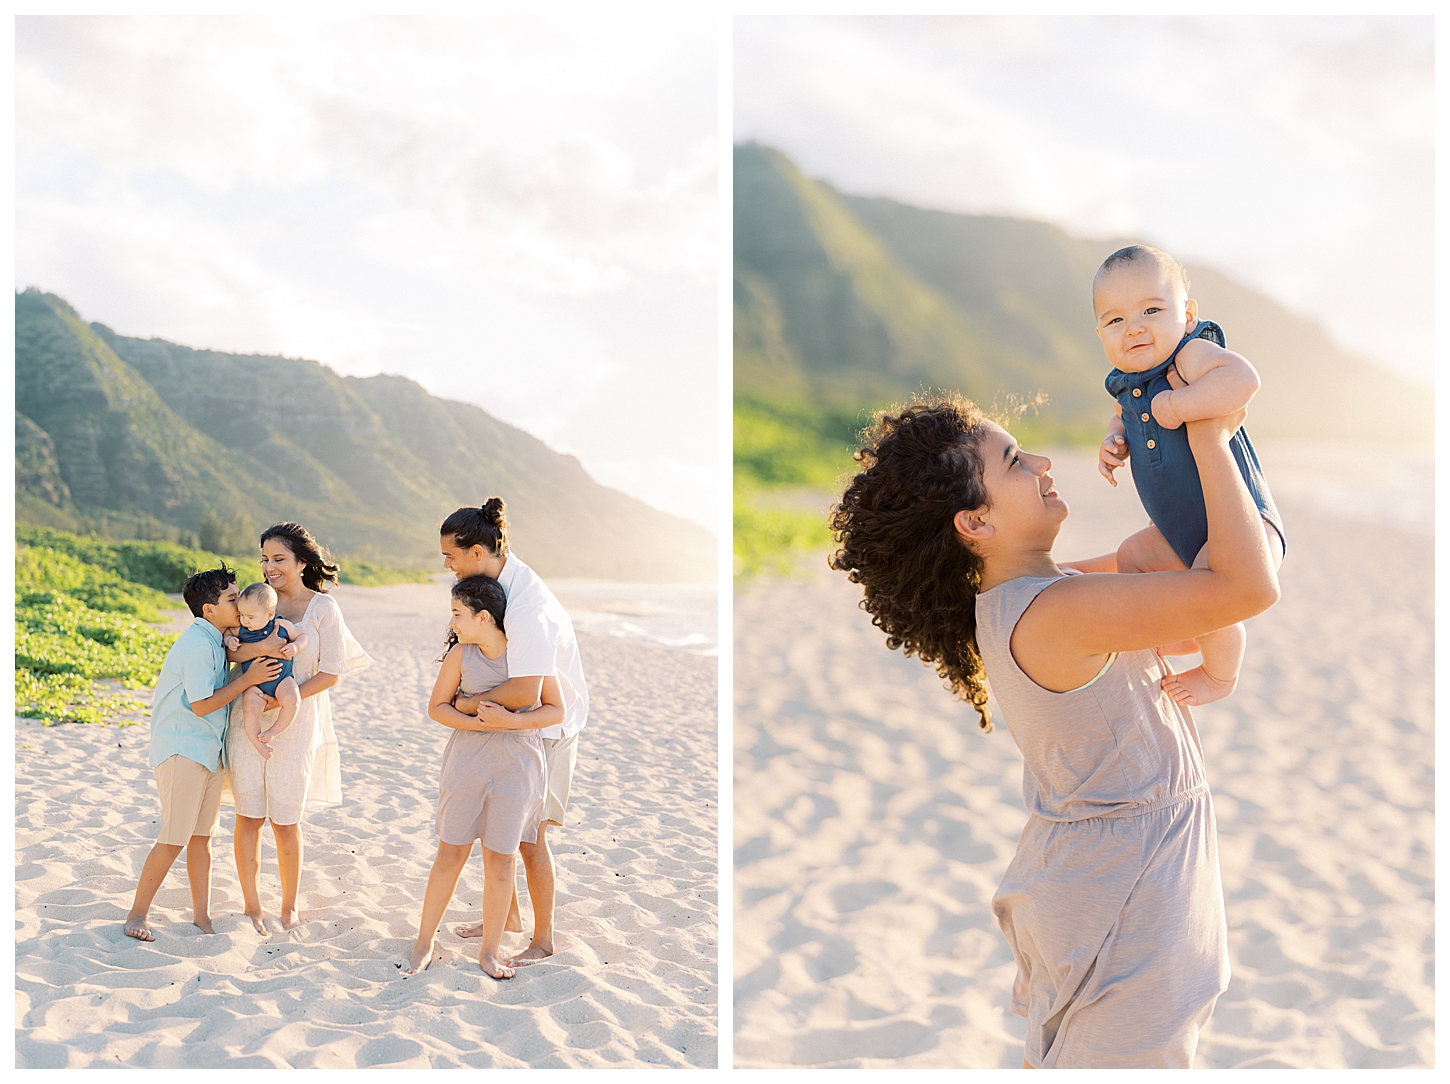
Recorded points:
(491,785)
(1112,904)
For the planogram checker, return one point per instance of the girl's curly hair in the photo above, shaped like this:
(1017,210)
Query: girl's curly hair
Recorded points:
(920,465)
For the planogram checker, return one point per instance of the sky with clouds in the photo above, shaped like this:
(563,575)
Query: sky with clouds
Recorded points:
(1295,153)
(515,211)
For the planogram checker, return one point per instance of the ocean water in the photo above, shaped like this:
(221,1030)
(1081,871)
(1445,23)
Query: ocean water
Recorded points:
(678,616)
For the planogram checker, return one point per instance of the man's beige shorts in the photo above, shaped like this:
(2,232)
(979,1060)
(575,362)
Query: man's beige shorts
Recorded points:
(191,800)
(559,757)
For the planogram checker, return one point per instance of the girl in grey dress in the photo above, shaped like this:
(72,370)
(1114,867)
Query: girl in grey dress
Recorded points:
(491,785)
(1112,905)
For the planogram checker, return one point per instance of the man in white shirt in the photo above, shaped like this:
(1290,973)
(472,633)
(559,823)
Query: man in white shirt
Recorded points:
(540,643)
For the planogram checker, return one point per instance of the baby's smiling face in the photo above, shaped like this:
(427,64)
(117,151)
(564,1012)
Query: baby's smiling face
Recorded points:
(1142,314)
(253,614)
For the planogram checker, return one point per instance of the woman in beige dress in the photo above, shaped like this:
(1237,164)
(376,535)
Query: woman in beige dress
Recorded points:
(304,771)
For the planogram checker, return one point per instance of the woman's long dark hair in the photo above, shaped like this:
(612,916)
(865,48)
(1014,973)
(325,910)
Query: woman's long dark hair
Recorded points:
(894,524)
(317,570)
(478,593)
(482,526)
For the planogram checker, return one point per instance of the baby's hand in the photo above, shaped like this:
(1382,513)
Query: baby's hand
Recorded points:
(1112,454)
(289,650)
(231,641)
(1163,412)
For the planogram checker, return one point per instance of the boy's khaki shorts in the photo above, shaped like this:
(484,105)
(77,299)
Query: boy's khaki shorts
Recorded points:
(191,800)
(559,757)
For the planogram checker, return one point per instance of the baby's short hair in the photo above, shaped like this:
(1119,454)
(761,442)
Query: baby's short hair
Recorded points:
(1136,253)
(260,592)
(204,588)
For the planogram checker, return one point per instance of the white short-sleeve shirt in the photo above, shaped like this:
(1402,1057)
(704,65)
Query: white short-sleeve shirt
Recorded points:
(541,642)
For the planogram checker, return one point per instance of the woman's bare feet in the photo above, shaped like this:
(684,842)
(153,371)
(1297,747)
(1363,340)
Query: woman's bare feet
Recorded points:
(1197,686)
(259,921)
(290,920)
(476,930)
(532,955)
(495,968)
(138,927)
(203,924)
(423,957)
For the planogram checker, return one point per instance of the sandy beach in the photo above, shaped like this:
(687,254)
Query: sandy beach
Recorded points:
(873,820)
(633,980)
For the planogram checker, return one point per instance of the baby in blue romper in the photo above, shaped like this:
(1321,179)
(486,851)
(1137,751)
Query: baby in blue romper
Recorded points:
(1170,367)
(257,610)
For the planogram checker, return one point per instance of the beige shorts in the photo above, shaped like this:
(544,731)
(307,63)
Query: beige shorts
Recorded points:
(191,800)
(559,757)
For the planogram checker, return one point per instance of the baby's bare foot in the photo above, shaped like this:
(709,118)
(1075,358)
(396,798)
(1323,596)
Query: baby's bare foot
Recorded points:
(495,968)
(137,927)
(532,955)
(263,749)
(470,931)
(423,957)
(203,924)
(1197,686)
(290,920)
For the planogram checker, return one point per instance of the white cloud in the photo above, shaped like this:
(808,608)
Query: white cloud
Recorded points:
(1294,152)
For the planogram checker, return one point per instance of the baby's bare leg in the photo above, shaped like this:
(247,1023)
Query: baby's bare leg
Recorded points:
(289,697)
(1223,651)
(253,700)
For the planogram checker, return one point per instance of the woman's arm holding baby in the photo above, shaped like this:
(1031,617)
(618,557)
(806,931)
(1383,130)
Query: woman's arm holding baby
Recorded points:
(296,639)
(1216,382)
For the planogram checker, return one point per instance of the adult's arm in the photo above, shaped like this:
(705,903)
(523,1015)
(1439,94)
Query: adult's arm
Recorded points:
(1071,627)
(515,693)
(317,683)
(550,711)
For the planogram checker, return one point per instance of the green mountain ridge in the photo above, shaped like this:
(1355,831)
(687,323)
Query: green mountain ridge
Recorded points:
(845,300)
(154,434)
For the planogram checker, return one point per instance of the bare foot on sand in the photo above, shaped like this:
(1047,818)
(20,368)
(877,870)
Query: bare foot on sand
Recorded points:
(423,958)
(495,968)
(532,955)
(137,927)
(259,921)
(203,924)
(475,930)
(513,924)
(290,920)
(1198,686)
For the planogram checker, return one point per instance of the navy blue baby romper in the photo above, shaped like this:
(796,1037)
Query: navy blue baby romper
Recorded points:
(256,636)
(1164,470)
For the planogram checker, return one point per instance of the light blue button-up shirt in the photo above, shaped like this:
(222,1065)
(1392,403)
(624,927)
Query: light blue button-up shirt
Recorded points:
(195,667)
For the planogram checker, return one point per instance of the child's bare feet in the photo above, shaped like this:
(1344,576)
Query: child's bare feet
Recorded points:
(495,968)
(290,920)
(423,957)
(259,921)
(203,924)
(532,955)
(476,930)
(137,927)
(1197,686)
(259,743)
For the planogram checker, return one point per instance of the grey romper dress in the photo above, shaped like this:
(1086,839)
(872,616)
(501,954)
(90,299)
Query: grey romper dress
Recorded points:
(1112,904)
(491,785)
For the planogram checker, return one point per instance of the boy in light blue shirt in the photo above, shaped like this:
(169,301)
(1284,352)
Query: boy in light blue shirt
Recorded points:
(188,724)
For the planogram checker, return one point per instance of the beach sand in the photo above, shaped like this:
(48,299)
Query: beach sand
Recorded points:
(633,980)
(873,820)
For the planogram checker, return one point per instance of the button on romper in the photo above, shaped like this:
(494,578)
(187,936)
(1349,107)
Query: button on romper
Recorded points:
(1164,470)
(1112,904)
